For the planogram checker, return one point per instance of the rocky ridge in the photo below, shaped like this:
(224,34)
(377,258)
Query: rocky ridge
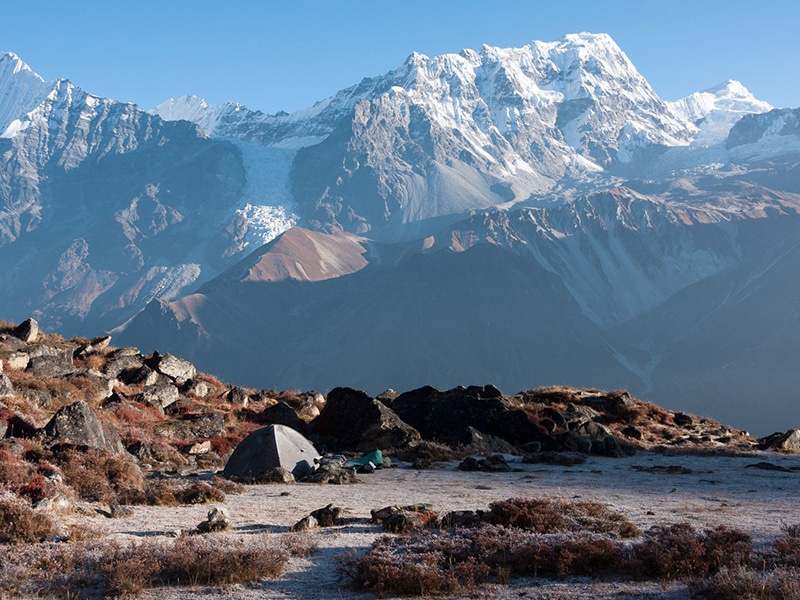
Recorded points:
(160,410)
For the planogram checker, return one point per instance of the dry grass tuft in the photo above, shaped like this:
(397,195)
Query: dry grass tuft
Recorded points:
(743,584)
(21,524)
(545,515)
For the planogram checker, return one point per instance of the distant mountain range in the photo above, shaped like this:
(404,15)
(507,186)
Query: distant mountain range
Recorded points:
(519,216)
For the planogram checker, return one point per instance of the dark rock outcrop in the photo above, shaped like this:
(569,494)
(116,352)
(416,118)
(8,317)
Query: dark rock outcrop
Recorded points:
(445,416)
(352,420)
(788,441)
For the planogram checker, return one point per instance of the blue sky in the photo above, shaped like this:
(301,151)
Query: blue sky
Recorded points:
(287,55)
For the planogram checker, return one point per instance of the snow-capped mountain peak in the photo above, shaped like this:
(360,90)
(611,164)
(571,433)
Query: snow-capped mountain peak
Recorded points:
(21,90)
(715,110)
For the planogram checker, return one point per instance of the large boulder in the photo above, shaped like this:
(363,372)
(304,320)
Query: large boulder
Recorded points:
(175,368)
(446,416)
(354,421)
(51,366)
(78,425)
(282,414)
(788,441)
(27,331)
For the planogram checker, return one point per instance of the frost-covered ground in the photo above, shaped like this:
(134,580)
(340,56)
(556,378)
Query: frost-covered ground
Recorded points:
(718,491)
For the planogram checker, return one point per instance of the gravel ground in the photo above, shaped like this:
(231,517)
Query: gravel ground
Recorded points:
(718,491)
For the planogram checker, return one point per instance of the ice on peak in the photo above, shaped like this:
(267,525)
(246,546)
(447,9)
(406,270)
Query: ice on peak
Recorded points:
(717,109)
(730,88)
(23,91)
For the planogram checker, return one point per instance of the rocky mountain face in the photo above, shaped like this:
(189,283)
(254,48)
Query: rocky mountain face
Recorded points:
(524,216)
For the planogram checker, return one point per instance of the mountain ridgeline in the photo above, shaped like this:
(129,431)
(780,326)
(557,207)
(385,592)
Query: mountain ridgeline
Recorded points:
(524,216)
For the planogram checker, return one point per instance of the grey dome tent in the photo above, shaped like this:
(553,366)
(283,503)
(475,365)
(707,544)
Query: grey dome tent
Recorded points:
(269,447)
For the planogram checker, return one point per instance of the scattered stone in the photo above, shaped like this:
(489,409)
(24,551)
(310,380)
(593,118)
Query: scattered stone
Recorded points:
(461,518)
(333,474)
(768,466)
(662,469)
(405,519)
(119,511)
(496,463)
(563,459)
(197,388)
(217,520)
(681,419)
(78,425)
(305,524)
(237,395)
(276,475)
(27,331)
(199,448)
(328,516)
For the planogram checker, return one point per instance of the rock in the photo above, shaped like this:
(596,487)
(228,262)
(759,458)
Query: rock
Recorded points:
(143,375)
(104,383)
(27,331)
(387,397)
(632,432)
(495,463)
(158,395)
(592,430)
(328,516)
(403,521)
(612,447)
(140,450)
(282,414)
(577,443)
(17,360)
(78,425)
(197,388)
(276,475)
(681,419)
(237,395)
(199,448)
(6,387)
(784,442)
(445,416)
(312,401)
(305,524)
(488,444)
(118,364)
(51,366)
(177,369)
(353,420)
(216,520)
(461,518)
(3,429)
(193,427)
(333,474)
